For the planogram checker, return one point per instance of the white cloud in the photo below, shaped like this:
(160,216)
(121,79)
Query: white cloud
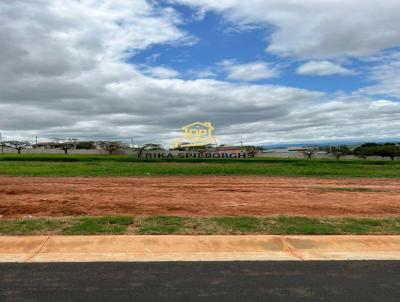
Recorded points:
(203,73)
(252,71)
(161,72)
(323,68)
(54,38)
(385,74)
(315,28)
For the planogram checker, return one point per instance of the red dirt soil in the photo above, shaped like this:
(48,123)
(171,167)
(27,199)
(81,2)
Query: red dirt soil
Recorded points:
(196,196)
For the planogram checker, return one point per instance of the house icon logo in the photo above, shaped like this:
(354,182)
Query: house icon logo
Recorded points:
(196,134)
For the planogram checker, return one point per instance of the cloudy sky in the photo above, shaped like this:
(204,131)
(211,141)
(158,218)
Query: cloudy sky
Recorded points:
(263,71)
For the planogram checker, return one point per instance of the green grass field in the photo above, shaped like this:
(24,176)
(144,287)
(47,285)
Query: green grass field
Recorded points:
(104,165)
(164,225)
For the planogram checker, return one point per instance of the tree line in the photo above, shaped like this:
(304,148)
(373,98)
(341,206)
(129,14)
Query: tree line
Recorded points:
(390,150)
(66,145)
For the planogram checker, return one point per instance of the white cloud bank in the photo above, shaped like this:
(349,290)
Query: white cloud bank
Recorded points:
(385,73)
(315,28)
(323,68)
(161,72)
(252,71)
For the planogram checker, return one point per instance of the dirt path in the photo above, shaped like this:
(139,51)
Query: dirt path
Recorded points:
(196,196)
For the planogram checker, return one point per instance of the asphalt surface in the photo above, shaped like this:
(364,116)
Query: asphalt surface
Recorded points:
(202,281)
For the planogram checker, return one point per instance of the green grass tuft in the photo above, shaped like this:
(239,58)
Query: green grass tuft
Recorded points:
(99,225)
(161,225)
(364,225)
(29,226)
(301,225)
(242,224)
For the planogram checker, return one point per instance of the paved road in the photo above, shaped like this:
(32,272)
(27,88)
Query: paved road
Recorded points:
(202,281)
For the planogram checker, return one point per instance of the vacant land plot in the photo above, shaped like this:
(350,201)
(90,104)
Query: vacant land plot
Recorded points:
(64,194)
(198,196)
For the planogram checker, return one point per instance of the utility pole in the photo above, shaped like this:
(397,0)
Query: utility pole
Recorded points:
(1,144)
(36,139)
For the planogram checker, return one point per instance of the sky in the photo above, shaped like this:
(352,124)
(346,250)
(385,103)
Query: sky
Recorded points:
(262,71)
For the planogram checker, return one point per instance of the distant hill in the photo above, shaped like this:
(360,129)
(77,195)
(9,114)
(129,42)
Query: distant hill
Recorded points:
(329,143)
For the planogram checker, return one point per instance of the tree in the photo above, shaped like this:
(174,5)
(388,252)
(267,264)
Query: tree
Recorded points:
(339,151)
(150,147)
(252,150)
(309,152)
(365,150)
(360,152)
(110,146)
(85,145)
(389,150)
(367,145)
(372,149)
(17,145)
(65,144)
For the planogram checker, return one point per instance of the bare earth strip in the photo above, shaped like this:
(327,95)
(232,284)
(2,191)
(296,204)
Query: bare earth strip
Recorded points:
(197,196)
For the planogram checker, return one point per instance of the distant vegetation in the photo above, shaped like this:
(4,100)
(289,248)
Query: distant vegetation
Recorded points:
(386,150)
(372,149)
(339,151)
(17,145)
(390,150)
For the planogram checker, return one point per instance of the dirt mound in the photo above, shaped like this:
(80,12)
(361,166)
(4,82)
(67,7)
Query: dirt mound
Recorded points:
(198,196)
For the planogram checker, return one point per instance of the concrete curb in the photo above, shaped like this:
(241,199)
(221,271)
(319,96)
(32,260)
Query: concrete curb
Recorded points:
(197,248)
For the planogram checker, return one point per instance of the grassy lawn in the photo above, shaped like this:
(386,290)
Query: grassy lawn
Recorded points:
(163,225)
(104,165)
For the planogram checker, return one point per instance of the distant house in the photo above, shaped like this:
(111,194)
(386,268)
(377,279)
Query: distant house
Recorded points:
(59,145)
(302,149)
(47,145)
(233,149)
(228,149)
